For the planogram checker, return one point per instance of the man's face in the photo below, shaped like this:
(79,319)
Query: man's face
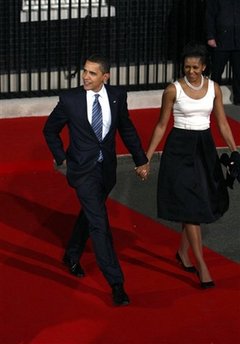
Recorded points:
(93,77)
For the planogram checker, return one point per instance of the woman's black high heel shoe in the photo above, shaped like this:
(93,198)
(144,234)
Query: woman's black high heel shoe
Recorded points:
(186,268)
(205,285)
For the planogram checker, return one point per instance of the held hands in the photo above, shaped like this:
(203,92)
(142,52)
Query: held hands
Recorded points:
(143,171)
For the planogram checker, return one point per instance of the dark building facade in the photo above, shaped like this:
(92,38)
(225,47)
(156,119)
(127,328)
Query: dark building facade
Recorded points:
(42,37)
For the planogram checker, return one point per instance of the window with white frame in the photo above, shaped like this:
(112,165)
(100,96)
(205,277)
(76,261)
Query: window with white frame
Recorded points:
(30,9)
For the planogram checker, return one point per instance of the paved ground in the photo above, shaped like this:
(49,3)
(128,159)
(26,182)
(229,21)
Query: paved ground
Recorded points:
(222,236)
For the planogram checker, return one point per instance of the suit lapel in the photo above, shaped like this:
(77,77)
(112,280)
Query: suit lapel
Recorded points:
(113,106)
(82,106)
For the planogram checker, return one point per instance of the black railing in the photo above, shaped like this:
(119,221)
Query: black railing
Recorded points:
(43,42)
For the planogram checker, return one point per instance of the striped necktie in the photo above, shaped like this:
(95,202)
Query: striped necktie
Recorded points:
(97,122)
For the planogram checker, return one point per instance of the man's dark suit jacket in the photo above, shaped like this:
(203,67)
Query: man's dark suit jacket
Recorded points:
(83,150)
(223,23)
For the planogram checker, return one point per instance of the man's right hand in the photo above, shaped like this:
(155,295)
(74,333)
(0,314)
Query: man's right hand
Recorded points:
(61,168)
(212,43)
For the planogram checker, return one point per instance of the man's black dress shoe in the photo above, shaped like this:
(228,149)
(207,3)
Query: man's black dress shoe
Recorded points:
(186,268)
(74,268)
(119,295)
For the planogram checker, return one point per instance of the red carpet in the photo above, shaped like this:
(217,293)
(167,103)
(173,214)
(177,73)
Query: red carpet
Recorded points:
(24,141)
(42,304)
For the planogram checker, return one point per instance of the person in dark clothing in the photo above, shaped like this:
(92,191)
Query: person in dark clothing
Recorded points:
(93,114)
(223,37)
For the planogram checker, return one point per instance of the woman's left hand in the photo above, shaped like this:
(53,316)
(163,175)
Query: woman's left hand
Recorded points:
(143,171)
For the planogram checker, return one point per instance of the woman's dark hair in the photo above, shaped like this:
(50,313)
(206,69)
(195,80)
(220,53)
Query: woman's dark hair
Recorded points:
(194,49)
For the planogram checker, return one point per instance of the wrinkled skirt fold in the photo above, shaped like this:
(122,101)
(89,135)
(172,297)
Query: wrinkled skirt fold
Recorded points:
(191,185)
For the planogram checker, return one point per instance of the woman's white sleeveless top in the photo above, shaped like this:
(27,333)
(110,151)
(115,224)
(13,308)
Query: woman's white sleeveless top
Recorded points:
(193,114)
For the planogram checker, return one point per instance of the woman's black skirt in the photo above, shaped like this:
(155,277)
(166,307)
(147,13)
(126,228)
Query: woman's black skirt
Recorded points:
(191,185)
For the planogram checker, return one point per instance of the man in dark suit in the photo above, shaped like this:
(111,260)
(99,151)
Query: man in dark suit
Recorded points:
(91,163)
(223,36)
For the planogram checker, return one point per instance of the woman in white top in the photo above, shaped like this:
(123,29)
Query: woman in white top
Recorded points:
(191,185)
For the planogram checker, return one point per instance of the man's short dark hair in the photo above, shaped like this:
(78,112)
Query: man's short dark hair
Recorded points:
(101,60)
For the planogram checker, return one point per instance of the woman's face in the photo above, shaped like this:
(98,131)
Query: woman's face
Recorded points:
(193,68)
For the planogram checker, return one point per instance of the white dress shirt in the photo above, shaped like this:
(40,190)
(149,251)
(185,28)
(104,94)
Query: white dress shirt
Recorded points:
(106,112)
